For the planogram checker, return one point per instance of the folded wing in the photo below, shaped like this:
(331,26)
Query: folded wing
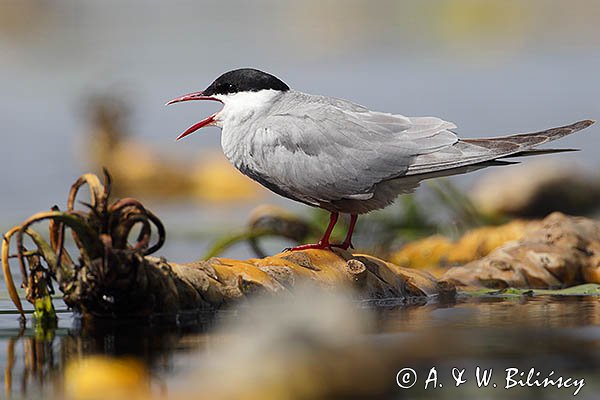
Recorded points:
(330,149)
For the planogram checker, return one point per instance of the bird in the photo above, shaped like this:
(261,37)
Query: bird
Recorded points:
(336,155)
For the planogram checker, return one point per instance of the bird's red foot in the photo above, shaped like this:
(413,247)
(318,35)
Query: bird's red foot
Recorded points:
(312,246)
(320,246)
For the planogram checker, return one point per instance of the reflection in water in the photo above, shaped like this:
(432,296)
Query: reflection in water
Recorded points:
(37,367)
(285,350)
(497,312)
(38,364)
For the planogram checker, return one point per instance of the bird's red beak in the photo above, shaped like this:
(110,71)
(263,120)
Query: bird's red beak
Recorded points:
(204,122)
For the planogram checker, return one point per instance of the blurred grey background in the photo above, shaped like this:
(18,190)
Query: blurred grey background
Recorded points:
(492,67)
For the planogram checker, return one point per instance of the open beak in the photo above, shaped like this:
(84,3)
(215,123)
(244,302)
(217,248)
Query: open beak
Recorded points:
(204,122)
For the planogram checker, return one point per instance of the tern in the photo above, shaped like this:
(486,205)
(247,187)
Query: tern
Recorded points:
(339,156)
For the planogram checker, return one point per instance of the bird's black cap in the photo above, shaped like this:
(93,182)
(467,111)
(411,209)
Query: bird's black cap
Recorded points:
(244,80)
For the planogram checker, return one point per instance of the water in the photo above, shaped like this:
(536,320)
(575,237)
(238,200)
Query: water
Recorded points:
(503,68)
(559,334)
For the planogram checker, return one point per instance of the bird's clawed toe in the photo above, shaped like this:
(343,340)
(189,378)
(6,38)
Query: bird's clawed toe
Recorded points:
(320,246)
(312,246)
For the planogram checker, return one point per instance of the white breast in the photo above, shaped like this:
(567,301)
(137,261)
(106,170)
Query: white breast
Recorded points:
(237,118)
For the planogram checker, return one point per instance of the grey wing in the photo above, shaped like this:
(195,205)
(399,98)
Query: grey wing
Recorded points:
(330,149)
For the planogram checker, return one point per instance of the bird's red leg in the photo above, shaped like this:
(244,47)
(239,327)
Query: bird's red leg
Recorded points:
(324,242)
(348,240)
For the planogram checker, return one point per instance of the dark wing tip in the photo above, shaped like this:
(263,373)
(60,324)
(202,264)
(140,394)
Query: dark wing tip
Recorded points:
(537,152)
(583,124)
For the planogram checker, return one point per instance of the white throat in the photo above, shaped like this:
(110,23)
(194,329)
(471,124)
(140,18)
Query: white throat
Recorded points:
(240,107)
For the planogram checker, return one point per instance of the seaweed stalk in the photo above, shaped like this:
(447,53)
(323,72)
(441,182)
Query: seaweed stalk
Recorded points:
(10,283)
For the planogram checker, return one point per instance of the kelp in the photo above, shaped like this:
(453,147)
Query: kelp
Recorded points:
(115,276)
(101,235)
(557,252)
(441,251)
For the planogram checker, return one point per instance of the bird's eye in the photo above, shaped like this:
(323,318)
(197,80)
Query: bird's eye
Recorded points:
(226,88)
